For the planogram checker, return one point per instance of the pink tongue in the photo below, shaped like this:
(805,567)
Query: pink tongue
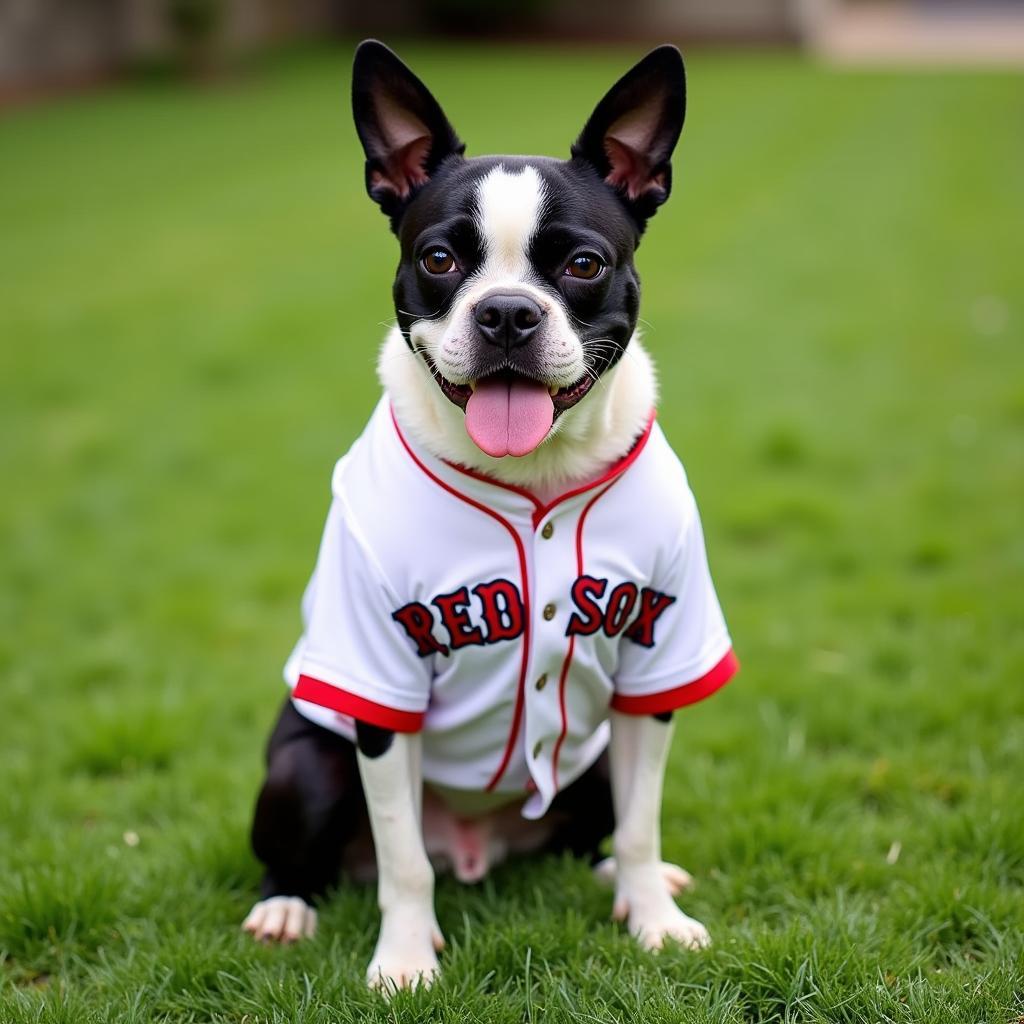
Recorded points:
(509,417)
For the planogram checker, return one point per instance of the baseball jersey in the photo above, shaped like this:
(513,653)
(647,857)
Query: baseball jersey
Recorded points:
(502,627)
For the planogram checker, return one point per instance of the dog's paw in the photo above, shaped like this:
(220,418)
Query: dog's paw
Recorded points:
(389,971)
(406,953)
(652,931)
(676,878)
(281,919)
(643,900)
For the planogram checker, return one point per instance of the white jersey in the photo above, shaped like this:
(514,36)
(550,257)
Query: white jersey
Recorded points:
(502,627)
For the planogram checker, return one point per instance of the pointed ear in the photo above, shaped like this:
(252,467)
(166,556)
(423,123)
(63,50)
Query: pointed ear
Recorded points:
(631,134)
(404,132)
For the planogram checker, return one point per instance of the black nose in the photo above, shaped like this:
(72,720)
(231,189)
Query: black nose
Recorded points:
(507,320)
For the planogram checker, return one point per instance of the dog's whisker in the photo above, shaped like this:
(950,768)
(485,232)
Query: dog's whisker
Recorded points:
(421,316)
(604,343)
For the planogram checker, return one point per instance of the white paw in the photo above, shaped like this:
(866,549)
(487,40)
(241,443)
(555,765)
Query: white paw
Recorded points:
(644,901)
(676,878)
(652,931)
(406,953)
(281,919)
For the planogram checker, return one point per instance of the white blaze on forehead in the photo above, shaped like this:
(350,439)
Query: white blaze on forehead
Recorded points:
(509,207)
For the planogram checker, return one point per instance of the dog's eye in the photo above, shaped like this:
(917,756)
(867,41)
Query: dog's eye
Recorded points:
(439,261)
(585,267)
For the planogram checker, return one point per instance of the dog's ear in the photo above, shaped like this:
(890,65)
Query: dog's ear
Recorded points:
(631,134)
(402,127)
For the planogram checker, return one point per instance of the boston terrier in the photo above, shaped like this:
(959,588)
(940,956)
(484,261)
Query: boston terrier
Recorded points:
(511,596)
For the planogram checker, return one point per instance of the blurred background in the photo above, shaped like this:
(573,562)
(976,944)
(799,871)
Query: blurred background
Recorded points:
(193,287)
(47,44)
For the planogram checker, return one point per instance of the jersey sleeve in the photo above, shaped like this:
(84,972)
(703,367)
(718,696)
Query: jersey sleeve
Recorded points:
(677,649)
(350,658)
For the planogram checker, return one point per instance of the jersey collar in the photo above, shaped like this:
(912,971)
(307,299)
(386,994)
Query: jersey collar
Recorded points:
(472,485)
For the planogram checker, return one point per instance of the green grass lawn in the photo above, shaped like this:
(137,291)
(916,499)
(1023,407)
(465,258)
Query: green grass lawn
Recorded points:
(192,289)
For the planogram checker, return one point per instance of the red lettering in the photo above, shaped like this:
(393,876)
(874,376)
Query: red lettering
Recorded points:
(502,610)
(453,614)
(620,607)
(652,604)
(418,621)
(584,590)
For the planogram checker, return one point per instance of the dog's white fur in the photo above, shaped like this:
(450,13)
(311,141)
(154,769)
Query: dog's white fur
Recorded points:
(584,441)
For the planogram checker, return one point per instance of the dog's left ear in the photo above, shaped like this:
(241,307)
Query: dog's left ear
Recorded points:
(631,134)
(404,132)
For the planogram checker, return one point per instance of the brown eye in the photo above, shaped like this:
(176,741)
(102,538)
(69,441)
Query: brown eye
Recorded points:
(585,267)
(439,261)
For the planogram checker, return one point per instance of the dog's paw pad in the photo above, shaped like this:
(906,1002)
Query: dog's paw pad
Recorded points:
(281,919)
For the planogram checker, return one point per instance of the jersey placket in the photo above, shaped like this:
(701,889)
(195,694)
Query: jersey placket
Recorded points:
(552,548)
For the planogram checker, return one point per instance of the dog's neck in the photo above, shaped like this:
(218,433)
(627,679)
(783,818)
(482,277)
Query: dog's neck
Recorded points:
(584,441)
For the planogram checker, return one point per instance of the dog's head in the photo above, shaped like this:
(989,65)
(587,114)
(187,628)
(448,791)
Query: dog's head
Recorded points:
(516,285)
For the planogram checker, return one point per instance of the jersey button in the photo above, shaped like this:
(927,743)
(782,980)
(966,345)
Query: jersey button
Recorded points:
(537,748)
(542,682)
(549,529)
(549,612)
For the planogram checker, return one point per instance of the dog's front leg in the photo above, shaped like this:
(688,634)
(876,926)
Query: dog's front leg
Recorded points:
(406,952)
(643,896)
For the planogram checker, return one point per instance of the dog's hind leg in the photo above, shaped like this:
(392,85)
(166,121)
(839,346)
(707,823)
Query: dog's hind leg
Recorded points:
(311,805)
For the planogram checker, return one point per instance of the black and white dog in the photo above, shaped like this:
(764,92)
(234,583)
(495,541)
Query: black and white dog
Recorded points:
(513,375)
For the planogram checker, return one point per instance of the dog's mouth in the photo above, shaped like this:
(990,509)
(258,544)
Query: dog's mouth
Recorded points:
(508,413)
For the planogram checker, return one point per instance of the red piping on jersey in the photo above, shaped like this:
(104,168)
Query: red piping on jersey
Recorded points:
(521,552)
(326,695)
(572,639)
(680,696)
(540,510)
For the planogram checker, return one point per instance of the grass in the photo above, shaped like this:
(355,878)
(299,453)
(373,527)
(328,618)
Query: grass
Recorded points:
(192,288)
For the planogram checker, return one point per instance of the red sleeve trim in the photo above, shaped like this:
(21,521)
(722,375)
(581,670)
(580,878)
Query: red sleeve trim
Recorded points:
(327,695)
(689,693)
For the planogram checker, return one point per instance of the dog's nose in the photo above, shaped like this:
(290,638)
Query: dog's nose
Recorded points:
(507,319)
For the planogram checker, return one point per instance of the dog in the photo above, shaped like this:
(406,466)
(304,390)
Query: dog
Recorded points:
(511,596)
